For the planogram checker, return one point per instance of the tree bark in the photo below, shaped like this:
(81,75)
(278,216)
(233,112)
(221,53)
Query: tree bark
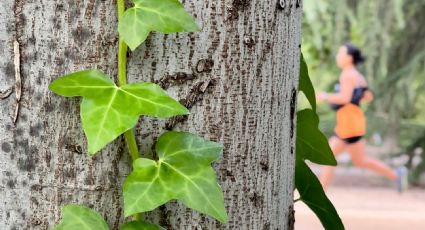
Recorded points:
(238,76)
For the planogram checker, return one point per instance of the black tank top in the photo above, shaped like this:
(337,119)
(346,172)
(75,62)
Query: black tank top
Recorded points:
(357,96)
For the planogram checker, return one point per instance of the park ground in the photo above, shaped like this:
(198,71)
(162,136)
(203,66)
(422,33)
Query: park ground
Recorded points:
(367,202)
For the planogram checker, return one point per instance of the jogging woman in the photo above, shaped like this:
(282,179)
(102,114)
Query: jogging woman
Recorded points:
(350,119)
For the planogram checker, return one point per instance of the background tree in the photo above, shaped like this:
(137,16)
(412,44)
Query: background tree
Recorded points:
(238,77)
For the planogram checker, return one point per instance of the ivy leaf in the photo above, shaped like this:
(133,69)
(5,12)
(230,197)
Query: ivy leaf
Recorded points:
(107,110)
(305,84)
(314,197)
(183,172)
(141,225)
(165,16)
(311,143)
(81,218)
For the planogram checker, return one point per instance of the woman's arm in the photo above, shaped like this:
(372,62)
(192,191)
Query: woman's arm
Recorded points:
(347,85)
(367,96)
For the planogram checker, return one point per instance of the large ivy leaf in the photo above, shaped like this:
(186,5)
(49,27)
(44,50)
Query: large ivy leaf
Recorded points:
(183,172)
(311,144)
(305,84)
(140,225)
(166,16)
(314,197)
(81,218)
(107,110)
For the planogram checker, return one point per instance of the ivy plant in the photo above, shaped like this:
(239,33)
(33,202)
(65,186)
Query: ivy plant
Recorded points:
(166,16)
(81,217)
(107,111)
(312,145)
(183,169)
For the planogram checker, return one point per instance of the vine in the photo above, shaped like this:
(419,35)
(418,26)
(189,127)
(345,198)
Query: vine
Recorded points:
(183,169)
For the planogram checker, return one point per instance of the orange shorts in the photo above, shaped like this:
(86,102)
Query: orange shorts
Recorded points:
(350,121)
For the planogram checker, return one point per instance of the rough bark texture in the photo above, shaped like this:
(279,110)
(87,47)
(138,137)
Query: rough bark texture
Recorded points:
(238,77)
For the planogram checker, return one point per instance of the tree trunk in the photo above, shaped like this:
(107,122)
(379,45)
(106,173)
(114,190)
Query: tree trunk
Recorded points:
(238,76)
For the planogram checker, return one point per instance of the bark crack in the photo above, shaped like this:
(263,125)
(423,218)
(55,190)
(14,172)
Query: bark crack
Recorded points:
(18,80)
(19,23)
(175,79)
(5,94)
(98,188)
(196,94)
(291,217)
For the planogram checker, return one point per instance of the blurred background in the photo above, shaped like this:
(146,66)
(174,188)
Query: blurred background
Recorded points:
(391,34)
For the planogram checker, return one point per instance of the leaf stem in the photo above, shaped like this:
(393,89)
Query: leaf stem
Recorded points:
(122,49)
(138,216)
(130,137)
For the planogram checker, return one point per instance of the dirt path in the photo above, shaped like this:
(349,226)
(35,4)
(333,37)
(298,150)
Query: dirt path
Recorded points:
(370,208)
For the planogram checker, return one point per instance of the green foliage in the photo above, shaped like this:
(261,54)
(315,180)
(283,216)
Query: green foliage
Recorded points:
(166,16)
(107,110)
(305,83)
(81,218)
(311,143)
(314,197)
(140,225)
(182,172)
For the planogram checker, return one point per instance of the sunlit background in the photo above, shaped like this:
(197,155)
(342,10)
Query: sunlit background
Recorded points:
(391,34)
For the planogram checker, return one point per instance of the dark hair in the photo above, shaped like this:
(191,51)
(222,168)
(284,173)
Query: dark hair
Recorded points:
(355,52)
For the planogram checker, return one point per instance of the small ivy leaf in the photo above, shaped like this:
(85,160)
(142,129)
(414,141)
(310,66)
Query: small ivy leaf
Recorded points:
(305,84)
(314,197)
(141,225)
(81,218)
(165,16)
(311,143)
(107,110)
(183,172)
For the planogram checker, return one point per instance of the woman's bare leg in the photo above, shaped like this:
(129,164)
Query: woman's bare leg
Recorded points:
(327,173)
(361,160)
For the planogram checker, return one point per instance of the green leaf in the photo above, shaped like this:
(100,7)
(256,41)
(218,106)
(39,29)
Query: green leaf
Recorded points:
(314,197)
(81,218)
(183,172)
(305,84)
(107,110)
(311,144)
(141,225)
(166,16)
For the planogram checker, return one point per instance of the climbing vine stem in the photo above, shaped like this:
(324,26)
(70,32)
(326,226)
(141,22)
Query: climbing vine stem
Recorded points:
(129,136)
(130,139)
(109,110)
(122,49)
